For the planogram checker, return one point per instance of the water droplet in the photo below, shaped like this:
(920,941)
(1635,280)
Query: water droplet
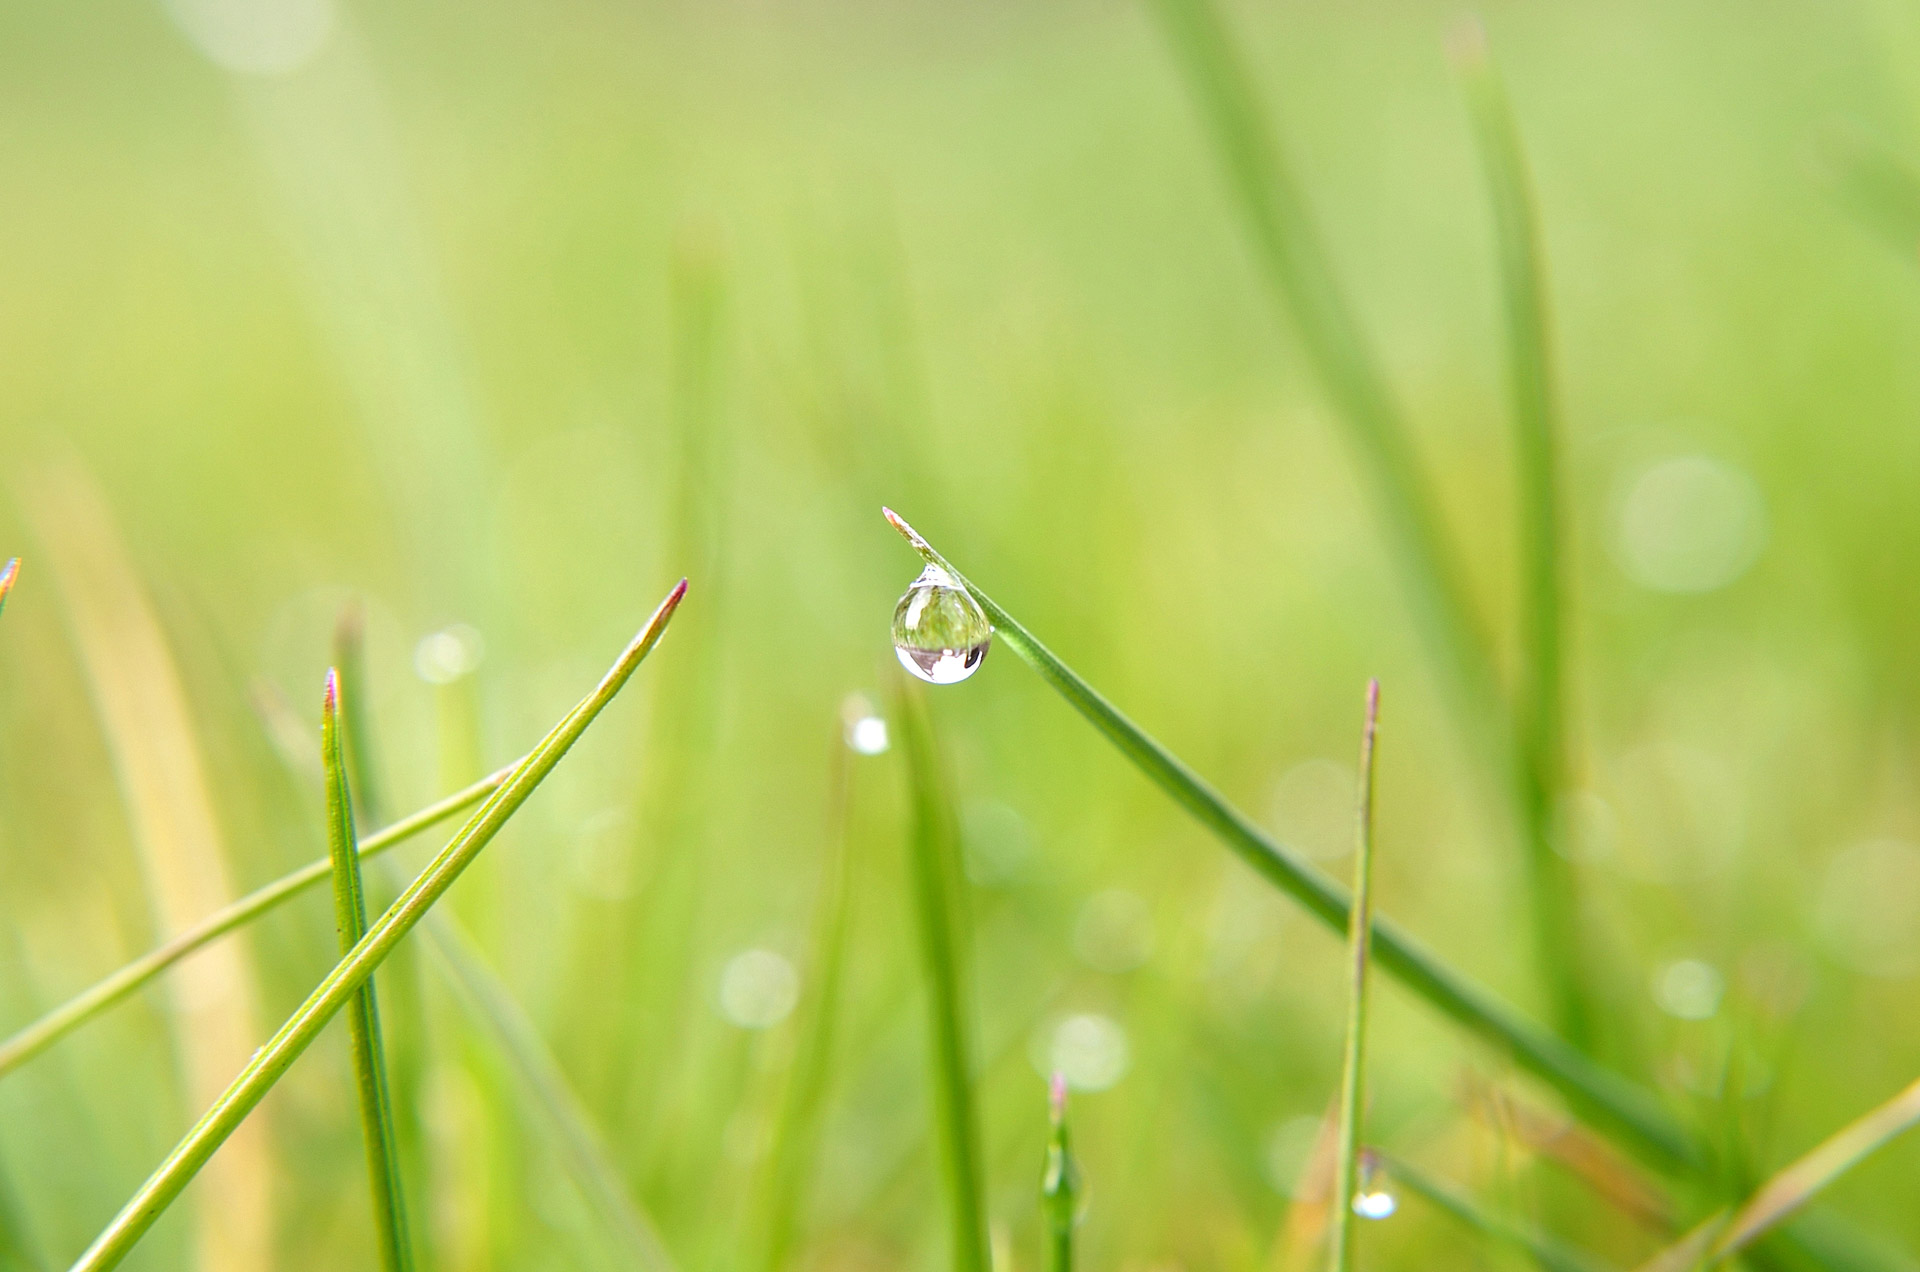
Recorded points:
(1374,1205)
(939,630)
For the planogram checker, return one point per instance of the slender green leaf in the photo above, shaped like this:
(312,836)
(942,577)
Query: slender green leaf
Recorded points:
(271,1061)
(1728,1232)
(1606,1100)
(1353,1077)
(363,1012)
(1539,723)
(130,979)
(1059,1182)
(796,1130)
(1549,1253)
(493,1006)
(933,847)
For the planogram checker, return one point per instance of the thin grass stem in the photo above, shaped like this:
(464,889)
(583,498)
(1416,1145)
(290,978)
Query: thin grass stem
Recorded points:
(120,985)
(272,1061)
(1539,716)
(1059,1182)
(933,846)
(1551,1254)
(1353,1078)
(1726,1233)
(363,1011)
(1607,1101)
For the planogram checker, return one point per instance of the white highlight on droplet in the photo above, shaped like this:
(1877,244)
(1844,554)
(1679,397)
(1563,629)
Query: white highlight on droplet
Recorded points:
(758,989)
(255,37)
(868,735)
(1374,1205)
(1689,989)
(444,656)
(1690,524)
(1091,1050)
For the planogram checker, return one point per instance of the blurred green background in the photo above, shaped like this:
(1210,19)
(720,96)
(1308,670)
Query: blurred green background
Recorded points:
(504,317)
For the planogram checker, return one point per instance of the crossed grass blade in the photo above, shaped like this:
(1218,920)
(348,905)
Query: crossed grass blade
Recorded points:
(122,984)
(363,1011)
(933,845)
(272,1061)
(1353,1076)
(1607,1101)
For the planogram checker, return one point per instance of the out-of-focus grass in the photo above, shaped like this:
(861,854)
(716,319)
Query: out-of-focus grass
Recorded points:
(978,260)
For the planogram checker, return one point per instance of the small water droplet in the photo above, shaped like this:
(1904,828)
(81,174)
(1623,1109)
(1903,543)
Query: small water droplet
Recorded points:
(1374,1205)
(939,631)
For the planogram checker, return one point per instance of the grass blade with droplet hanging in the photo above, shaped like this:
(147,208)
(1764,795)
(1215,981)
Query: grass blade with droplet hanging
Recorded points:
(1550,1254)
(1726,1234)
(582,1150)
(1059,1182)
(1353,1077)
(796,1130)
(122,984)
(1607,1101)
(933,845)
(1539,741)
(271,1061)
(363,1011)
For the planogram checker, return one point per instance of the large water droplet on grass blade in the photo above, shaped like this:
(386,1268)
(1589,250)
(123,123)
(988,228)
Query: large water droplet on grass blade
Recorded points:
(939,631)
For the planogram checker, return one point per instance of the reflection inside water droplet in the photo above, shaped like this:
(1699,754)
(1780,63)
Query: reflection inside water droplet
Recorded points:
(939,631)
(1374,1205)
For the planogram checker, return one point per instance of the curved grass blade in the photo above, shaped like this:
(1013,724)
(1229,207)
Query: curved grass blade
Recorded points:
(797,1131)
(935,871)
(1727,1233)
(1059,1182)
(1539,741)
(1302,279)
(363,1013)
(1550,1254)
(1606,1100)
(130,979)
(494,1007)
(1353,1080)
(8,574)
(271,1061)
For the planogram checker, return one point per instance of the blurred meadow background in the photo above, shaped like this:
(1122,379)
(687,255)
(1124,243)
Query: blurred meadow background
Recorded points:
(488,323)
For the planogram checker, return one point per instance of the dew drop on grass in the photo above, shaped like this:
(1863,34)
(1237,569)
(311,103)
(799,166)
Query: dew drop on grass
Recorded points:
(1374,1205)
(939,631)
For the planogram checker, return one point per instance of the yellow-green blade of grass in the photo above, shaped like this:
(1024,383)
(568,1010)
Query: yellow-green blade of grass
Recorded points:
(796,1132)
(363,1011)
(1725,1234)
(122,984)
(1353,1076)
(581,1148)
(1301,276)
(1549,1253)
(272,1061)
(1605,1100)
(8,575)
(1059,1181)
(933,848)
(1539,743)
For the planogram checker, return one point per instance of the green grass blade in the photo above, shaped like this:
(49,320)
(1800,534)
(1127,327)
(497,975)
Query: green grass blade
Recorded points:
(1724,1235)
(935,873)
(363,1012)
(120,985)
(797,1130)
(584,1153)
(271,1061)
(1302,279)
(8,575)
(1059,1183)
(1611,1103)
(1353,1079)
(1539,740)
(1550,1254)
